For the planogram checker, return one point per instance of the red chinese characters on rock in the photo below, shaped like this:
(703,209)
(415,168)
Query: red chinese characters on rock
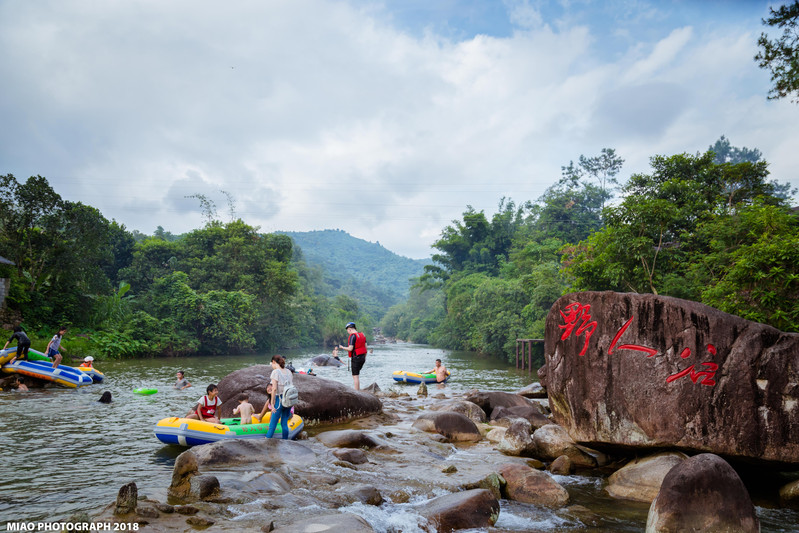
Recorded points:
(577,319)
(707,376)
(650,351)
(578,313)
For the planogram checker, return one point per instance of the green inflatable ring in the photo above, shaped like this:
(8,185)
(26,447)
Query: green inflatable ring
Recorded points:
(145,392)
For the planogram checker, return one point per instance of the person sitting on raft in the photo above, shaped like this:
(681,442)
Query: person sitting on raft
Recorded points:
(87,362)
(207,406)
(23,344)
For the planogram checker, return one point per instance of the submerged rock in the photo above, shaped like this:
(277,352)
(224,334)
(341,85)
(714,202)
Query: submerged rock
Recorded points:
(640,479)
(334,522)
(702,493)
(528,485)
(471,509)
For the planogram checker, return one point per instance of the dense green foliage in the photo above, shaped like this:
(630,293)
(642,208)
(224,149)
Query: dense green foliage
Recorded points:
(781,56)
(224,288)
(708,227)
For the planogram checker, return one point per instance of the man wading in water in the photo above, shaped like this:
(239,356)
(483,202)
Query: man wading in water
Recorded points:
(356,346)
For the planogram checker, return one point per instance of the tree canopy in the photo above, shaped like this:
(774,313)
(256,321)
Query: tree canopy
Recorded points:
(781,55)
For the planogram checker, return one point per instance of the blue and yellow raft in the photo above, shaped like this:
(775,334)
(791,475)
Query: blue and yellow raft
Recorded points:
(190,432)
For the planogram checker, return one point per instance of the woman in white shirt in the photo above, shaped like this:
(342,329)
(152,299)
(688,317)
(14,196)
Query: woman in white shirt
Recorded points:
(280,377)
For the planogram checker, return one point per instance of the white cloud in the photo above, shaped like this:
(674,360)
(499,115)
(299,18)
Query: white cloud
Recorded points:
(316,114)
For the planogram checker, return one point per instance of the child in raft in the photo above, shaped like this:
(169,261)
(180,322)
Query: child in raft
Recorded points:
(207,406)
(245,408)
(268,404)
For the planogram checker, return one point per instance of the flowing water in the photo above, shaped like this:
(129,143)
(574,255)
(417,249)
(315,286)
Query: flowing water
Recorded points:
(64,452)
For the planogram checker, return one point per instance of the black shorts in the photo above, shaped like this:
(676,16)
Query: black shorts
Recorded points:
(22,349)
(357,363)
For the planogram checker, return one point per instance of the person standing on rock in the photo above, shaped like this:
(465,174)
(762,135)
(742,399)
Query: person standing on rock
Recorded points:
(356,346)
(279,379)
(23,344)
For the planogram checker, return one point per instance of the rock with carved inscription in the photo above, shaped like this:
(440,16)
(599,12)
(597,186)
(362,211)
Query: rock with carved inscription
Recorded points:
(639,371)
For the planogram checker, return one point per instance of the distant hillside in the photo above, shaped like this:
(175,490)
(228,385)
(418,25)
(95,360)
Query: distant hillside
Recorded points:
(344,258)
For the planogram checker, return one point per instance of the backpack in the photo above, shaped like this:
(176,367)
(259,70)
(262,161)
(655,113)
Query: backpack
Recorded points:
(290,396)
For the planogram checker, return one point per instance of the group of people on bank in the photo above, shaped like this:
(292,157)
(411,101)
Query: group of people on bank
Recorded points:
(280,379)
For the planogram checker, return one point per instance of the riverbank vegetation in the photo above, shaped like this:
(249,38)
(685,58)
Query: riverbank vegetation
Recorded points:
(710,227)
(223,288)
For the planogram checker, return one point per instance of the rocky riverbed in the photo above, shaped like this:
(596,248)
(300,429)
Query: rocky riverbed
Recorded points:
(427,461)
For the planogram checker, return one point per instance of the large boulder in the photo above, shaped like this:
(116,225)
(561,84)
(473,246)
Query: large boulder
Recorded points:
(453,426)
(533,390)
(326,360)
(552,441)
(789,495)
(528,485)
(470,509)
(464,407)
(640,479)
(531,413)
(517,439)
(321,400)
(702,493)
(639,370)
(348,438)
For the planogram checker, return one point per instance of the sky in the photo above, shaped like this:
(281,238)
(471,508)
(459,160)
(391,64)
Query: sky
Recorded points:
(383,119)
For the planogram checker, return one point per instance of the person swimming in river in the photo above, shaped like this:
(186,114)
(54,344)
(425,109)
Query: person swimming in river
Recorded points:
(182,382)
(207,406)
(19,385)
(23,344)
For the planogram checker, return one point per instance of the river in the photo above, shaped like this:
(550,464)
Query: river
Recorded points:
(64,452)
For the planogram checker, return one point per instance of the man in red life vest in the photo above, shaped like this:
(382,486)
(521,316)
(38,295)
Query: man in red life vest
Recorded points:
(356,346)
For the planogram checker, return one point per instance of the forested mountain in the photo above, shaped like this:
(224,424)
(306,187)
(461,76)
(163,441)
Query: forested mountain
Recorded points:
(357,267)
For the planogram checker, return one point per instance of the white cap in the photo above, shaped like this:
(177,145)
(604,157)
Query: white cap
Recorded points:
(88,358)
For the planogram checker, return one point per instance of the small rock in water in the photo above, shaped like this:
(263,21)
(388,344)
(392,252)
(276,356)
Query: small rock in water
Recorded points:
(126,499)
(422,390)
(105,398)
(449,469)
